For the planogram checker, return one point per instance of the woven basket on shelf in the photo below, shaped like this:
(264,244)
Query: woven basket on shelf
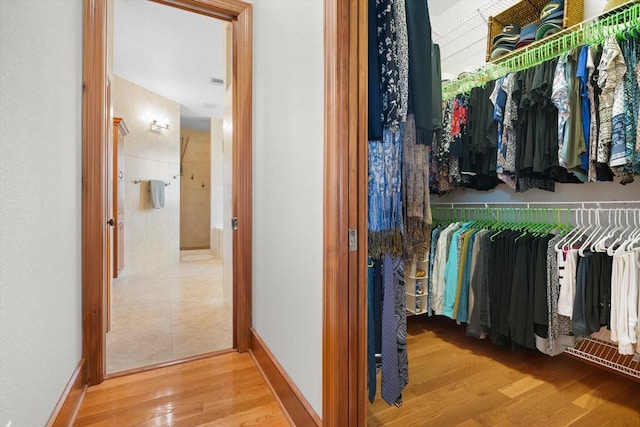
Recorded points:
(528,12)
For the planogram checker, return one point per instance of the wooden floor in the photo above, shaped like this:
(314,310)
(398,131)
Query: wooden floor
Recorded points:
(225,390)
(456,380)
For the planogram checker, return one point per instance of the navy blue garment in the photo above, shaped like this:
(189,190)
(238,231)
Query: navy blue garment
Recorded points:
(420,68)
(371,353)
(375,104)
(377,307)
(583,77)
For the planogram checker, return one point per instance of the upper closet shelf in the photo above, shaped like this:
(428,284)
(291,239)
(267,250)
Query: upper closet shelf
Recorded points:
(593,31)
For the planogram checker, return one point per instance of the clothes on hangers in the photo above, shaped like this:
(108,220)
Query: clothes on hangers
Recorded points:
(624,300)
(415,189)
(388,60)
(637,69)
(553,336)
(402,119)
(631,53)
(582,106)
(421,85)
(593,93)
(576,145)
(547,300)
(611,71)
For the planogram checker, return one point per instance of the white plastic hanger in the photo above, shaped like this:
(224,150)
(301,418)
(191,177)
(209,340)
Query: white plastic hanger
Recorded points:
(596,233)
(613,233)
(598,244)
(571,232)
(616,247)
(633,236)
(586,227)
(636,239)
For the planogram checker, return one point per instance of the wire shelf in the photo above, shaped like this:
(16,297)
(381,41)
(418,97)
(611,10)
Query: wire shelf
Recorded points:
(593,31)
(472,21)
(605,354)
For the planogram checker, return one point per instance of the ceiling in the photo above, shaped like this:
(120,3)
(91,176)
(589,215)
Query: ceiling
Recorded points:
(173,53)
(176,53)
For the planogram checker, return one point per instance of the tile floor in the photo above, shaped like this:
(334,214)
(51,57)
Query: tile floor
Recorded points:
(170,314)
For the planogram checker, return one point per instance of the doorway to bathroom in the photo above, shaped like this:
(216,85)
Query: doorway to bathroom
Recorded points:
(171,295)
(97,214)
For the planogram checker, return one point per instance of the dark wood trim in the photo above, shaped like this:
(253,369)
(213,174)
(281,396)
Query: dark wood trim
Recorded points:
(288,395)
(242,31)
(335,335)
(358,207)
(96,125)
(66,410)
(169,363)
(227,10)
(344,289)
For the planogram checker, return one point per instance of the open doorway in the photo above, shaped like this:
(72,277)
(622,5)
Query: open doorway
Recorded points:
(96,216)
(168,300)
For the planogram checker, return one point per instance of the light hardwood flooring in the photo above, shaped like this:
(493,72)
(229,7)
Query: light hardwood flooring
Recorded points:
(170,314)
(225,390)
(457,380)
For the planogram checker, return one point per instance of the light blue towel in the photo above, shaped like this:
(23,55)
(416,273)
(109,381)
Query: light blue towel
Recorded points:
(157,193)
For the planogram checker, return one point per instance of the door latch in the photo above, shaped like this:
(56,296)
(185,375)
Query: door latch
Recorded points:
(353,240)
(234,223)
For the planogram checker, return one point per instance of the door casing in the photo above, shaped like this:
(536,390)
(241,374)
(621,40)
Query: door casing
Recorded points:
(345,208)
(96,129)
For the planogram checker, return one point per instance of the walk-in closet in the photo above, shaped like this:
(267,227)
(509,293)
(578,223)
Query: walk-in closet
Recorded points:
(503,282)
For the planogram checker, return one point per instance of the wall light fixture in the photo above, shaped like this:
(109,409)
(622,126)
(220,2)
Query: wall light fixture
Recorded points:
(155,126)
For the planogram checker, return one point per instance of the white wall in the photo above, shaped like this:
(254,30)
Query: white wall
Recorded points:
(40,205)
(226,236)
(287,187)
(217,164)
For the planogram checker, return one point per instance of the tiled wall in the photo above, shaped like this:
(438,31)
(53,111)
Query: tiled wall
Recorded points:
(217,189)
(195,190)
(152,236)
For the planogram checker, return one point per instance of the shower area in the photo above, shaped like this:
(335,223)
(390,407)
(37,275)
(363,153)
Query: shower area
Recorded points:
(201,189)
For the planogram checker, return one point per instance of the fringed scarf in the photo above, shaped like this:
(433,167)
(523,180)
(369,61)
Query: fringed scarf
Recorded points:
(385,195)
(415,176)
(420,82)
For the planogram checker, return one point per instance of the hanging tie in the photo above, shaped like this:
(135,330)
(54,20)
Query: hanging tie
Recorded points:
(390,378)
(371,352)
(401,328)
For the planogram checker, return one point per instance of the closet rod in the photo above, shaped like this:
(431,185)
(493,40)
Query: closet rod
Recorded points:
(583,205)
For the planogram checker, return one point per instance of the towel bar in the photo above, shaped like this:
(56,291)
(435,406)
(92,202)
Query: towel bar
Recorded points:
(138,181)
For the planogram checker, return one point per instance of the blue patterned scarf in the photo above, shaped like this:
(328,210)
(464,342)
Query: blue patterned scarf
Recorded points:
(385,194)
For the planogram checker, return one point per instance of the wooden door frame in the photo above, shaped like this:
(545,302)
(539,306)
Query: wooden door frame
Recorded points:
(345,207)
(96,127)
